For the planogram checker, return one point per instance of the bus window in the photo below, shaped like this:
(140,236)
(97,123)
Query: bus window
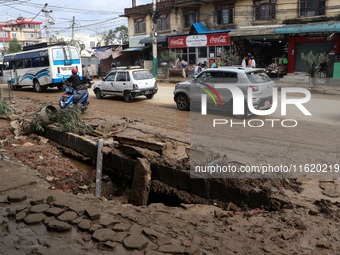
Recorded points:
(19,64)
(44,61)
(28,63)
(10,65)
(36,62)
(74,54)
(58,54)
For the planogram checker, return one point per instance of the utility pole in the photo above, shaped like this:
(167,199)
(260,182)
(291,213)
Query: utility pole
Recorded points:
(72,42)
(154,38)
(47,21)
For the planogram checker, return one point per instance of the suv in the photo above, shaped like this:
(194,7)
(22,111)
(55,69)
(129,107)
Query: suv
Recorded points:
(128,82)
(257,79)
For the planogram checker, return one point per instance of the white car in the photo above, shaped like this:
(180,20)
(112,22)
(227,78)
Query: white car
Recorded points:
(189,92)
(128,82)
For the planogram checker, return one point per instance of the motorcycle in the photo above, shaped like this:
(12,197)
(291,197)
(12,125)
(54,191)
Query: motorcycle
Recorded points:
(88,80)
(67,98)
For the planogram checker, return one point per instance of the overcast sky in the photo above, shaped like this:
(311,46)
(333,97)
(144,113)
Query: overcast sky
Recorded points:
(91,16)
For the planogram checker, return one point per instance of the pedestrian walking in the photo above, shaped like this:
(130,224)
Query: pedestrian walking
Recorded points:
(184,66)
(244,62)
(99,71)
(198,69)
(253,63)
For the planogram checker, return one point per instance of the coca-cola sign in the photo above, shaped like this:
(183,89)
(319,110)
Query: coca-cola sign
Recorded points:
(199,40)
(175,42)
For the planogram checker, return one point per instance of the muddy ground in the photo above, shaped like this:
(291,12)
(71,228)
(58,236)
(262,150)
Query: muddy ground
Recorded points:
(308,226)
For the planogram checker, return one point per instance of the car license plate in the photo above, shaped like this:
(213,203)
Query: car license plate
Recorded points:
(266,102)
(148,92)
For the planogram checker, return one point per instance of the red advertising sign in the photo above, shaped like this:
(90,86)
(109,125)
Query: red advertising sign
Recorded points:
(199,40)
(178,41)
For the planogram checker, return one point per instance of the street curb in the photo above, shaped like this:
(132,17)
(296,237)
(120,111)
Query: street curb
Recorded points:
(316,91)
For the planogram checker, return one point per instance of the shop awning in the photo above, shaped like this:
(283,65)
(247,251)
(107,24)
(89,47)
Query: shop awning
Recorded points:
(136,49)
(252,31)
(200,28)
(149,39)
(331,27)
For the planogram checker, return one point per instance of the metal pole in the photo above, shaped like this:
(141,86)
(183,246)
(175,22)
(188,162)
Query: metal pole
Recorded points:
(99,167)
(72,42)
(47,24)
(154,39)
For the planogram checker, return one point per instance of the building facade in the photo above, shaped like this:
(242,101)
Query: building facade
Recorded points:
(270,30)
(25,30)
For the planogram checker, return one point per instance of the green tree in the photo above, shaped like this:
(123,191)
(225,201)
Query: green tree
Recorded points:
(110,37)
(14,46)
(227,58)
(167,58)
(118,35)
(122,33)
(313,63)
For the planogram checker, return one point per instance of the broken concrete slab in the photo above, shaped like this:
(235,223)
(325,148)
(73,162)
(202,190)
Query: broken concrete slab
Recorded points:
(40,208)
(140,142)
(141,183)
(35,218)
(17,197)
(331,193)
(135,242)
(93,213)
(59,226)
(68,216)
(103,235)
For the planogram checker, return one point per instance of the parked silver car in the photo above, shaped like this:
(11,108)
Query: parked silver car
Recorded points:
(262,87)
(128,82)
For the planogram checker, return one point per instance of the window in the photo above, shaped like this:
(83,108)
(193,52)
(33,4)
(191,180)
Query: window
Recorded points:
(191,17)
(28,63)
(258,77)
(15,35)
(227,77)
(142,75)
(265,9)
(309,8)
(121,76)
(44,61)
(225,14)
(92,44)
(29,35)
(3,45)
(111,77)
(207,77)
(139,26)
(36,62)
(3,34)
(163,23)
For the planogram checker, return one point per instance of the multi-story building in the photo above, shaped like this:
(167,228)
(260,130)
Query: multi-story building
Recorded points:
(268,29)
(25,30)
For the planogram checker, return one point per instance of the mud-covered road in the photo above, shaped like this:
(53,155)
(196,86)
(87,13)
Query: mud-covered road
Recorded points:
(314,140)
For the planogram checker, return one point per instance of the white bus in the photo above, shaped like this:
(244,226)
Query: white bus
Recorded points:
(42,67)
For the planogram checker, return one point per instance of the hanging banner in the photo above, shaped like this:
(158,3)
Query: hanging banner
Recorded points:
(199,40)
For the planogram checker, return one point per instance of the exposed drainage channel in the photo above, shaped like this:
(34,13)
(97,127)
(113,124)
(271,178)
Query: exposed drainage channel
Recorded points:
(170,183)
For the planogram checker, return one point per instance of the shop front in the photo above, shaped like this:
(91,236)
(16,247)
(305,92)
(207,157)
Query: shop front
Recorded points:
(199,48)
(268,49)
(321,37)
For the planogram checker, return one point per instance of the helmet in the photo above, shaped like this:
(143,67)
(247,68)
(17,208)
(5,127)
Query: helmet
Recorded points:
(74,70)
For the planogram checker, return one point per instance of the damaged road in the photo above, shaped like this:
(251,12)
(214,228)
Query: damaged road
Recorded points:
(301,223)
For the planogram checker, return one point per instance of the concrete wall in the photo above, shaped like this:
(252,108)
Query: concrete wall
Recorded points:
(224,190)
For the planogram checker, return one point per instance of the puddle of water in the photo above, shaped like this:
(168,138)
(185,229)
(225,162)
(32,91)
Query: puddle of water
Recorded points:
(80,164)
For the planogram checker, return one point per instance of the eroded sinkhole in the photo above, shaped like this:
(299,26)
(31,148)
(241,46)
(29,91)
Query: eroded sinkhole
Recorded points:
(242,193)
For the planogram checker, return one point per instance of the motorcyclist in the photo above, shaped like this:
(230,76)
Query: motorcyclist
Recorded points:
(77,85)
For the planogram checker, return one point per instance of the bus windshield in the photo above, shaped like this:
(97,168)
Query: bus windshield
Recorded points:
(65,53)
